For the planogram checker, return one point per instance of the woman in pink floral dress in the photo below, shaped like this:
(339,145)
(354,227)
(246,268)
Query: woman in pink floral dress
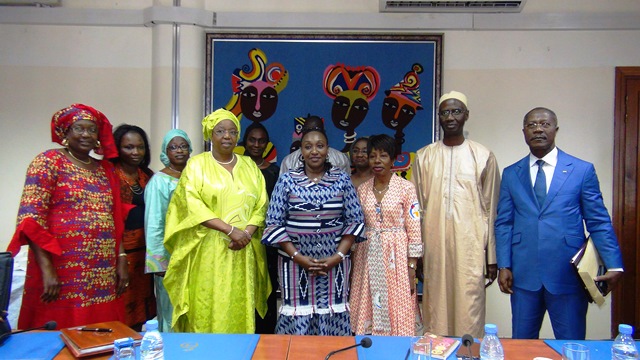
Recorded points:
(383,288)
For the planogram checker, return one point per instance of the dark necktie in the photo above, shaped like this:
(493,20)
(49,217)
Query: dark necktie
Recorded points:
(540,187)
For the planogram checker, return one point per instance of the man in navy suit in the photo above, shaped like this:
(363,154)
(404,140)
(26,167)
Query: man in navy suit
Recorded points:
(546,199)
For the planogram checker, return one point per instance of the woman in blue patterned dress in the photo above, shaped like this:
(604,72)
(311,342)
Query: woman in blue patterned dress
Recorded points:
(314,217)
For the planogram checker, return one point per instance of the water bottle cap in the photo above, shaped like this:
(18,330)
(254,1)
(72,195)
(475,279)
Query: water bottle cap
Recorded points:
(490,329)
(152,325)
(625,329)
(124,342)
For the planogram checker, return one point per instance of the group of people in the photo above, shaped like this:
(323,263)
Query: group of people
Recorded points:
(522,229)
(214,235)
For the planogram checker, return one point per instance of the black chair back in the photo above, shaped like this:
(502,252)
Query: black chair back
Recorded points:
(6,276)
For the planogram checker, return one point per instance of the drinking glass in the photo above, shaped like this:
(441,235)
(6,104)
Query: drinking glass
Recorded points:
(575,351)
(420,348)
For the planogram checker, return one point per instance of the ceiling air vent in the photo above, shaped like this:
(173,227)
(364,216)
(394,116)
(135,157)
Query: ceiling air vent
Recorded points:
(37,3)
(471,6)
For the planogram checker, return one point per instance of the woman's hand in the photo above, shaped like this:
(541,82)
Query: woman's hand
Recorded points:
(122,272)
(329,263)
(313,266)
(239,239)
(51,284)
(412,280)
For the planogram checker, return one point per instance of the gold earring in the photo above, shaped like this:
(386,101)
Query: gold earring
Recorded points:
(98,144)
(65,142)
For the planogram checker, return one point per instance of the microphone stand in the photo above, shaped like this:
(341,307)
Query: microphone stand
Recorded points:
(365,342)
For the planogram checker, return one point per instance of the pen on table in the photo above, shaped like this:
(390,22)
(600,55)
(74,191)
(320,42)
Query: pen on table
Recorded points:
(95,329)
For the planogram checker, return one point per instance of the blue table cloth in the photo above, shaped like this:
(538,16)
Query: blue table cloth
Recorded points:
(32,346)
(598,349)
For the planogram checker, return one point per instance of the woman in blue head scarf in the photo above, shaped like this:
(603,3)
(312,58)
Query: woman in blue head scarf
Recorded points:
(175,151)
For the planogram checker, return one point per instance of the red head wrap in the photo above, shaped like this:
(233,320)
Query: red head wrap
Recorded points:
(63,119)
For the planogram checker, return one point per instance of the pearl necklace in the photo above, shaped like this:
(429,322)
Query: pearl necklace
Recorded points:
(316,179)
(233,157)
(178,171)
(88,162)
(380,192)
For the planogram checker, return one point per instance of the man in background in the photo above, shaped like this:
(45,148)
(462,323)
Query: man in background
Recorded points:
(336,158)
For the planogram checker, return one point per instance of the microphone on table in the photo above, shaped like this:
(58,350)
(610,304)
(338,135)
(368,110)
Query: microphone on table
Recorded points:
(50,325)
(467,340)
(365,343)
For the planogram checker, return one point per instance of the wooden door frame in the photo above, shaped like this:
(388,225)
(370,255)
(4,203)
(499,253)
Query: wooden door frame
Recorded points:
(624,307)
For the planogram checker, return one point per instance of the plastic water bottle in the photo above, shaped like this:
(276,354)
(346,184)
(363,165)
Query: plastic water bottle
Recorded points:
(624,347)
(123,349)
(152,347)
(491,348)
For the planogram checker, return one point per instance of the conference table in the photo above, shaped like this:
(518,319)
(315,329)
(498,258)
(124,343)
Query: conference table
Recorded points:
(281,347)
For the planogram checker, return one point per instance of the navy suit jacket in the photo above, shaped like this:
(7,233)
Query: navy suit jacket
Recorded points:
(537,243)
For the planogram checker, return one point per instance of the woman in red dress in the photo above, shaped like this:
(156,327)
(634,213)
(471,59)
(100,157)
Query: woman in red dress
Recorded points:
(72,219)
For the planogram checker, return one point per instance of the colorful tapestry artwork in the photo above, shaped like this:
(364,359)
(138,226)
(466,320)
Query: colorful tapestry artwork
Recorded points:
(359,84)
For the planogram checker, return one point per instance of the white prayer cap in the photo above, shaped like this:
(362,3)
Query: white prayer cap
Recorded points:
(453,95)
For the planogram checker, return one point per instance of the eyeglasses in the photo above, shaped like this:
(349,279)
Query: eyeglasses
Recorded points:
(534,125)
(174,148)
(221,132)
(454,112)
(79,130)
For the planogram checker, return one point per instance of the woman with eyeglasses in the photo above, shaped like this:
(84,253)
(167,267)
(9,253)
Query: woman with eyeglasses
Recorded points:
(71,217)
(132,167)
(174,153)
(383,289)
(217,277)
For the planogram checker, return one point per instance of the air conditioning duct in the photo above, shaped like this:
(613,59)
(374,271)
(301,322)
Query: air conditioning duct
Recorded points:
(439,6)
(36,3)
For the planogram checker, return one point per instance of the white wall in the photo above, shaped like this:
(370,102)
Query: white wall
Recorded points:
(126,73)
(569,72)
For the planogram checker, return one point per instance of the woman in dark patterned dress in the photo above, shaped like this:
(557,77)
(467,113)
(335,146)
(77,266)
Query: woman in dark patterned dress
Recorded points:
(132,167)
(314,217)
(255,141)
(72,219)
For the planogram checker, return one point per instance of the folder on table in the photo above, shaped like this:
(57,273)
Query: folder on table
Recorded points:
(85,343)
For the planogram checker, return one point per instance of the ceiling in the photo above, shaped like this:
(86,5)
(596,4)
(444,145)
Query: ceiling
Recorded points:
(338,15)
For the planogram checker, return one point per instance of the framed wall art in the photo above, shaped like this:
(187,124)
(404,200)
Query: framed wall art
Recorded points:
(360,84)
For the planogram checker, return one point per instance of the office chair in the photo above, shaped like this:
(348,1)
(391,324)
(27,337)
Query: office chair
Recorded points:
(6,275)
